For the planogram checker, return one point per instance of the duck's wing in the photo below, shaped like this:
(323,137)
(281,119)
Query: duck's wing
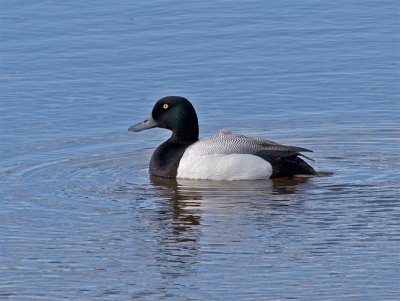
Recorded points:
(226,142)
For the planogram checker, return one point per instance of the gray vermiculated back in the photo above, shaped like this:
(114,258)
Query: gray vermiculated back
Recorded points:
(226,142)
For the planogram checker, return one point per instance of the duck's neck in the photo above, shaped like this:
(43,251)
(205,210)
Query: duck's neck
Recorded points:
(185,134)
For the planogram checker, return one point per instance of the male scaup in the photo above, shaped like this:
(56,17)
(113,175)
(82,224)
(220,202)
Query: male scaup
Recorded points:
(223,156)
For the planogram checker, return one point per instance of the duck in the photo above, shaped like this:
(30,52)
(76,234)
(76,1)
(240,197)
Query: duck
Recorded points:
(222,156)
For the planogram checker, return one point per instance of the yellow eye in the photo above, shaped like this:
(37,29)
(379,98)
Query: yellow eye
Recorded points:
(165,106)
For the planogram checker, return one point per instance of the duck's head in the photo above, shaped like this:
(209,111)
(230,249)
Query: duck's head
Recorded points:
(174,113)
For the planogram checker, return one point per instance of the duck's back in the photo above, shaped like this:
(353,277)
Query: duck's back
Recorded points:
(229,156)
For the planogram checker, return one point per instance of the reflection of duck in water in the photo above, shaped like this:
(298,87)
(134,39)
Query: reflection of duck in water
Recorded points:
(223,156)
(185,207)
(189,198)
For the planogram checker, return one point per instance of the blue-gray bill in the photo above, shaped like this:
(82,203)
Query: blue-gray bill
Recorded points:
(147,124)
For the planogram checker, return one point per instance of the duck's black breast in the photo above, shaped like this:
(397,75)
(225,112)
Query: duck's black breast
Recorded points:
(166,158)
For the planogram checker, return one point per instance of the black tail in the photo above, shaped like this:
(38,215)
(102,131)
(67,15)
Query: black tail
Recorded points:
(290,166)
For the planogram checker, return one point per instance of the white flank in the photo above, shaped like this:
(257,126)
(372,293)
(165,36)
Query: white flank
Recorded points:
(223,167)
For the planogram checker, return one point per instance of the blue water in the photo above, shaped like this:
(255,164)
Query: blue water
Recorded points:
(80,217)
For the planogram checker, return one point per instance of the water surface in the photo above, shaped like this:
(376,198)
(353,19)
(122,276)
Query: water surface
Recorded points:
(80,217)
